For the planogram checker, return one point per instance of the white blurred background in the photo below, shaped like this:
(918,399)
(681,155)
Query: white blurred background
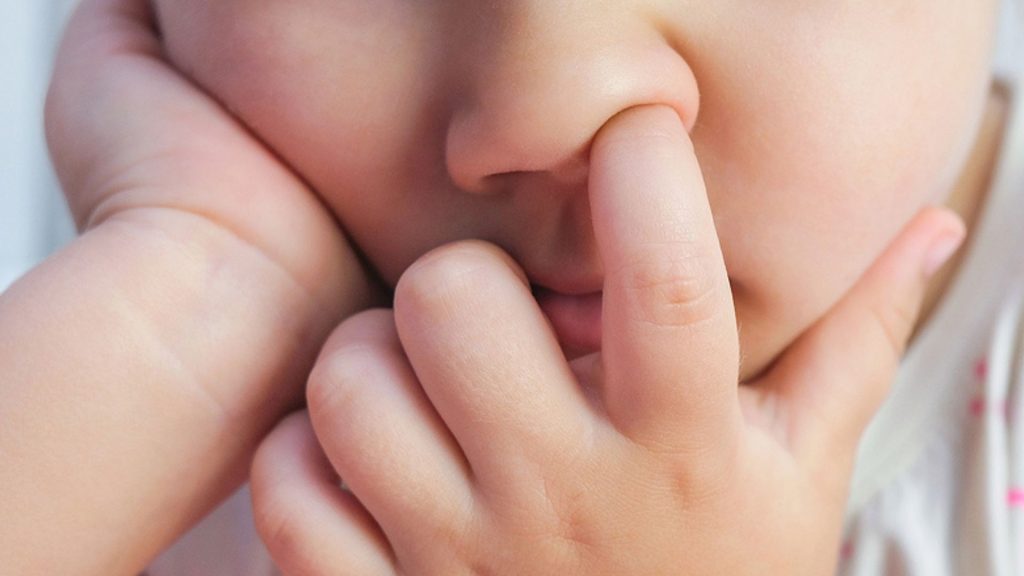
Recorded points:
(33,220)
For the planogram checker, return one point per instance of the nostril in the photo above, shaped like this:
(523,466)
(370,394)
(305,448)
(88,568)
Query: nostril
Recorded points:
(527,118)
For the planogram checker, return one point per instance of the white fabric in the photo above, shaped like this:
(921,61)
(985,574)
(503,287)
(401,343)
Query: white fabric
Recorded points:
(939,484)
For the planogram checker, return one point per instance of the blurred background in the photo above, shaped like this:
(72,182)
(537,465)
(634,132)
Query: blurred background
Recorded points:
(33,219)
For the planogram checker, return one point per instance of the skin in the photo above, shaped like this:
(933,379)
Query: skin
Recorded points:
(477,120)
(815,148)
(176,330)
(747,233)
(471,446)
(218,313)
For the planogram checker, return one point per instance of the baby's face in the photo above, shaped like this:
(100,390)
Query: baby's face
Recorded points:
(822,126)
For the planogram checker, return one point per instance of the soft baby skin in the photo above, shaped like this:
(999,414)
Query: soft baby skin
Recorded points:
(820,127)
(589,221)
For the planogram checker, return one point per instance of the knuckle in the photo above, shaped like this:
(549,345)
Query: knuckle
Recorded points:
(561,520)
(448,542)
(674,289)
(367,321)
(707,480)
(894,322)
(574,524)
(275,515)
(280,525)
(368,326)
(436,283)
(274,519)
(351,359)
(337,381)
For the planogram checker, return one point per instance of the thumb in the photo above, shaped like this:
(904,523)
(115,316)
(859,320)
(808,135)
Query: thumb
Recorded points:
(827,386)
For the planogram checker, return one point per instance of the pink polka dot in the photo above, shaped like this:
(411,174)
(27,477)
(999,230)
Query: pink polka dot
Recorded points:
(979,405)
(846,552)
(980,368)
(1015,497)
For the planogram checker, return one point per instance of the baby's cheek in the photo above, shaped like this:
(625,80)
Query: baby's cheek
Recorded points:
(340,90)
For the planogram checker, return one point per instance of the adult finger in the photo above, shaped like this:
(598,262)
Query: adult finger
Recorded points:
(308,523)
(669,344)
(833,379)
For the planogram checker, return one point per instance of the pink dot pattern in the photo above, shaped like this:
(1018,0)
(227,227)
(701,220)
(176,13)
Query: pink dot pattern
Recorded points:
(1015,497)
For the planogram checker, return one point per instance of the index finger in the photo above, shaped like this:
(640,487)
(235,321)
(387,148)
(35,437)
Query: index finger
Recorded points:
(670,348)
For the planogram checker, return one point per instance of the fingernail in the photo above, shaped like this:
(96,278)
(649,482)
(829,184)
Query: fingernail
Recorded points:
(941,249)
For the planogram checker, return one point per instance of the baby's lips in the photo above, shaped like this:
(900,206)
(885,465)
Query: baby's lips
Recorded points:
(575,318)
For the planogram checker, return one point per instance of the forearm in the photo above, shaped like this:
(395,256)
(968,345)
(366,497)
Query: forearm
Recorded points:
(141,366)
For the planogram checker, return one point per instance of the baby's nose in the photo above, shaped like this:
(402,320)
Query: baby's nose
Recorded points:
(537,79)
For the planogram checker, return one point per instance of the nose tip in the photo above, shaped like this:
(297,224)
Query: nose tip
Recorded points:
(535,101)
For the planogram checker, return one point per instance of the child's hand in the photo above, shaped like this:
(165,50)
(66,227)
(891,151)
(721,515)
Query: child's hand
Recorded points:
(144,155)
(175,332)
(470,446)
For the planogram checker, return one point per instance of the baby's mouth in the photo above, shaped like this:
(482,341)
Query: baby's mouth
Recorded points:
(576,319)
